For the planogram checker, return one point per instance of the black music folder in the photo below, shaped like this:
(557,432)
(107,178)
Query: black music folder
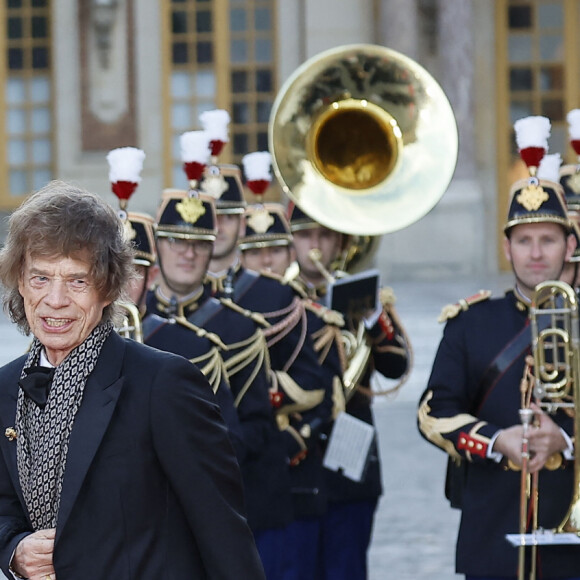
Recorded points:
(354,295)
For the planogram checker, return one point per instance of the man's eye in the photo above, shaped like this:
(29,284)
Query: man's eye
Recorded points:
(77,284)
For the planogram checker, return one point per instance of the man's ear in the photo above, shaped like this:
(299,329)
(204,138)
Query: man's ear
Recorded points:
(242,227)
(570,246)
(507,249)
(152,275)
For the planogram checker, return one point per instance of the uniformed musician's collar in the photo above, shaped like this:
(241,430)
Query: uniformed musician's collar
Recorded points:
(188,302)
(522,301)
(216,280)
(236,265)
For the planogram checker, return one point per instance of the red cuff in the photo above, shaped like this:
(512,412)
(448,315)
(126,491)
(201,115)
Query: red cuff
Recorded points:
(386,325)
(472,444)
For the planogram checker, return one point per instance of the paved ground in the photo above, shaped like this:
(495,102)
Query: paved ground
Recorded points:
(415,529)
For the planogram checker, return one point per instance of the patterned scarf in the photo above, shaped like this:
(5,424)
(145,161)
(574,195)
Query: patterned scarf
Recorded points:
(43,434)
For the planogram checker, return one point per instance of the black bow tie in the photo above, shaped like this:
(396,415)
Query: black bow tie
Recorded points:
(36,383)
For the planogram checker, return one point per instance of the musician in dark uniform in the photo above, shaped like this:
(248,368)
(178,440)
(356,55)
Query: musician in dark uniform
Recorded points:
(140,231)
(299,386)
(470,407)
(229,348)
(349,519)
(265,246)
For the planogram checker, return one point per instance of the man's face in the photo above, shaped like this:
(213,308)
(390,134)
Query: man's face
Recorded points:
(229,228)
(183,264)
(327,241)
(537,253)
(61,303)
(274,259)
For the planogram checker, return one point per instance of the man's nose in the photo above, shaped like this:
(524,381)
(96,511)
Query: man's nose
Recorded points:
(190,251)
(536,249)
(57,294)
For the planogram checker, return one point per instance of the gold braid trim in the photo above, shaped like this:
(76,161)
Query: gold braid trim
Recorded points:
(295,313)
(216,283)
(328,315)
(433,428)
(388,301)
(303,400)
(338,400)
(212,366)
(323,340)
(201,332)
(284,425)
(251,349)
(255,316)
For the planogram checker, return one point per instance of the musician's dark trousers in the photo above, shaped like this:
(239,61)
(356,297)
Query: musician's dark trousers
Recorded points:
(346,536)
(271,547)
(302,546)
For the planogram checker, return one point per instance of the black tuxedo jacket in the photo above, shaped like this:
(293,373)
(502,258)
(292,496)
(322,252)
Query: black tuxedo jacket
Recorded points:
(151,486)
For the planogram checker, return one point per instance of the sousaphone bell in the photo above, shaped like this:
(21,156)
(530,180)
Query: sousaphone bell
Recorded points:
(363,140)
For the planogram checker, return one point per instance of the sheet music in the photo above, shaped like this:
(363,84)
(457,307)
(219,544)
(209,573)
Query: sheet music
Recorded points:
(348,446)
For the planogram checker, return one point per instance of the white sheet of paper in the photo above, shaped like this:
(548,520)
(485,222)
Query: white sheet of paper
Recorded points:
(348,446)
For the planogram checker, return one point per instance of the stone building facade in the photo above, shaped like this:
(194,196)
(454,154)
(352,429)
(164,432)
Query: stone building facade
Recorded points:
(113,84)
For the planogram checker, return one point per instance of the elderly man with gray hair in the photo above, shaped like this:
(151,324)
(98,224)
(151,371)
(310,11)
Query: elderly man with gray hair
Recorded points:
(116,462)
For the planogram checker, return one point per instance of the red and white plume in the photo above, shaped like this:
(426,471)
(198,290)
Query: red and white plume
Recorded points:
(549,167)
(573,118)
(257,170)
(532,134)
(215,124)
(195,153)
(125,166)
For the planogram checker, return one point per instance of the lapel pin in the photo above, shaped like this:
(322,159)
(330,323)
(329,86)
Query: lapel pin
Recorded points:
(11,433)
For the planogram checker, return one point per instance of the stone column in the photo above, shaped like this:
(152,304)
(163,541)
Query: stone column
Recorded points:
(456,55)
(398,27)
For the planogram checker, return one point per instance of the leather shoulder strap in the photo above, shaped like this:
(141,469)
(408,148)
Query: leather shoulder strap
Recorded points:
(208,309)
(243,283)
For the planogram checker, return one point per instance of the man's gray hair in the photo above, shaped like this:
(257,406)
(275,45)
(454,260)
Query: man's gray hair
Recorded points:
(62,220)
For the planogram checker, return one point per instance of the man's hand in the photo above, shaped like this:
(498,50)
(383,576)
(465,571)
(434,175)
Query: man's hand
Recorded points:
(544,439)
(33,556)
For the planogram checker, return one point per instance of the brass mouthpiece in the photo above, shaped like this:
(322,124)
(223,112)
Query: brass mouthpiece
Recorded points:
(314,254)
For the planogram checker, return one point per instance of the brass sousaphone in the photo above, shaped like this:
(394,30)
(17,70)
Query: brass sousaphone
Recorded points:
(363,140)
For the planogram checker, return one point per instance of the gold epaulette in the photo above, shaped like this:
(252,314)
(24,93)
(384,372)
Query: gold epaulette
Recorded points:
(286,281)
(387,296)
(272,275)
(328,316)
(297,287)
(292,272)
(452,310)
(255,316)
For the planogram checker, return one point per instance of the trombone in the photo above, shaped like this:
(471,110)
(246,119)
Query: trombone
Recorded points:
(555,384)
